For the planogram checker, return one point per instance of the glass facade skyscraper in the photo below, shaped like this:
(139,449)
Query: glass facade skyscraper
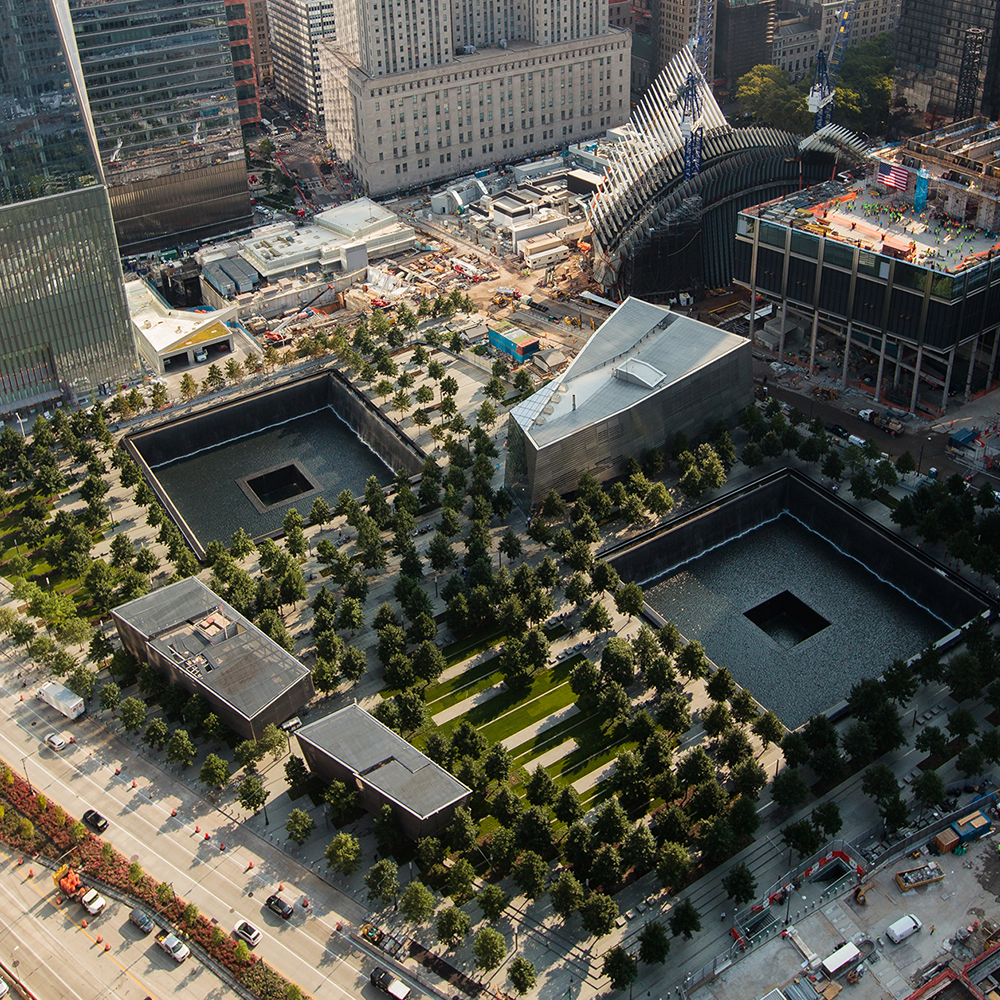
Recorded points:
(165,105)
(64,321)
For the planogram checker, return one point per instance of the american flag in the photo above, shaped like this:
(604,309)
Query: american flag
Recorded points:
(893,176)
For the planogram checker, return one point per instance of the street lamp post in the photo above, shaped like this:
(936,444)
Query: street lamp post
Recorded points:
(24,764)
(921,458)
(15,962)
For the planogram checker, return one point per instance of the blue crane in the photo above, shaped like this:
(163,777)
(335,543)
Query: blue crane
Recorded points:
(821,95)
(691,129)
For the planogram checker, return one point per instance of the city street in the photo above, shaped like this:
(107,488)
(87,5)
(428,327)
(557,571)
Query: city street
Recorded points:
(307,948)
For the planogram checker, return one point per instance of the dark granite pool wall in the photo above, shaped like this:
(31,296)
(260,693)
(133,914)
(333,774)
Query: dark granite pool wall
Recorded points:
(247,416)
(894,560)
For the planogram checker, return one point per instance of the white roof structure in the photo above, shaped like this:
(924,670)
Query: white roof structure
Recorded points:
(281,249)
(639,350)
(166,329)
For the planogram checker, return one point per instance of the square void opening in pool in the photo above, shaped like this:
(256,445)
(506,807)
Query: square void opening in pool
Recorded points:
(795,620)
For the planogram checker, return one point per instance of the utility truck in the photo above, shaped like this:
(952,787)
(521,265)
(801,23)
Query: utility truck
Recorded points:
(61,699)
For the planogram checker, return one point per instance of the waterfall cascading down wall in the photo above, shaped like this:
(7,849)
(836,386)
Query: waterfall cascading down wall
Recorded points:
(209,434)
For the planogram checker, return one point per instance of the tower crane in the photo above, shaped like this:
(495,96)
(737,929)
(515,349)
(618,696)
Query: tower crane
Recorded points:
(821,95)
(691,128)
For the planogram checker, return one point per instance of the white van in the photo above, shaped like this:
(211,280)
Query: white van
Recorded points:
(903,928)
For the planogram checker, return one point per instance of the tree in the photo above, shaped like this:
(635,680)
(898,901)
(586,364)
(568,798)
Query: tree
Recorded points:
(802,837)
(460,881)
(826,818)
(492,900)
(673,863)
(299,826)
(692,661)
(521,974)
(598,914)
(654,945)
(611,823)
(788,789)
(382,881)
(109,697)
(685,920)
(629,600)
(566,894)
(567,806)
(180,749)
(452,926)
(617,661)
(132,713)
(529,874)
(251,793)
(489,948)
(540,789)
(596,618)
(343,854)
(416,902)
(620,967)
(214,772)
(740,885)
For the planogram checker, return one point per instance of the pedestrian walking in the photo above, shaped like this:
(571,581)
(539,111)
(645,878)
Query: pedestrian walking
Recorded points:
(932,928)
(723,914)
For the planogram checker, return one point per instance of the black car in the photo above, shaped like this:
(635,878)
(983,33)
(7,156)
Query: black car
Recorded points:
(94,819)
(141,920)
(277,905)
(841,432)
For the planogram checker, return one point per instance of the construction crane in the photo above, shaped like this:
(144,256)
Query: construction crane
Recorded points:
(820,100)
(691,129)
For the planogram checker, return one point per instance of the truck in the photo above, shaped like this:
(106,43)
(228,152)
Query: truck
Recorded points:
(61,699)
(511,293)
(68,883)
(385,981)
(174,947)
(883,420)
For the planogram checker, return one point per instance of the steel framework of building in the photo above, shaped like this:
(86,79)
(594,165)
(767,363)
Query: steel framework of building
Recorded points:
(645,182)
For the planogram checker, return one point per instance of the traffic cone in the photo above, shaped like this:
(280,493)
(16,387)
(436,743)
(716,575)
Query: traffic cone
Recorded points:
(281,885)
(208,836)
(83,923)
(99,939)
(107,947)
(58,900)
(118,770)
(222,847)
(31,873)
(173,812)
(133,782)
(248,867)
(305,903)
(197,829)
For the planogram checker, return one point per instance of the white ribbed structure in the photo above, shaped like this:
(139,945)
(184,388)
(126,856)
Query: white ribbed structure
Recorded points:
(831,138)
(651,148)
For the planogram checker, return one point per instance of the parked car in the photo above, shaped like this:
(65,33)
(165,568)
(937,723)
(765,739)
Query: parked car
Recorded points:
(93,902)
(901,929)
(839,431)
(385,981)
(56,742)
(142,920)
(201,355)
(94,819)
(247,932)
(277,905)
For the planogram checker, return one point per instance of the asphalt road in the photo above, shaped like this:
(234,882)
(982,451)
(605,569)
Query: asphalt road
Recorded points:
(306,948)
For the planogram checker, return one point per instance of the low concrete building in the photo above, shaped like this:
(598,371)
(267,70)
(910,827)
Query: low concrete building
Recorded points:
(645,374)
(169,339)
(353,747)
(346,237)
(208,648)
(540,251)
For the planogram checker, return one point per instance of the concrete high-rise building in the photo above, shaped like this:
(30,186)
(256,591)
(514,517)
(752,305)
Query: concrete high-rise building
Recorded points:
(260,38)
(297,27)
(871,18)
(159,78)
(445,88)
(64,321)
(931,40)
(744,31)
(675,23)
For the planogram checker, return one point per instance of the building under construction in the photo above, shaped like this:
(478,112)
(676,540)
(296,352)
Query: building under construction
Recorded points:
(744,33)
(902,268)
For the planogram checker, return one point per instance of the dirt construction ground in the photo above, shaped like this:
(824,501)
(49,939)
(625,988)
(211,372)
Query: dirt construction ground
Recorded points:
(970,892)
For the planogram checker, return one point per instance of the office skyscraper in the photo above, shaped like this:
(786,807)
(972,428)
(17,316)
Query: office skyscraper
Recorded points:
(433,89)
(165,106)
(932,38)
(64,321)
(297,28)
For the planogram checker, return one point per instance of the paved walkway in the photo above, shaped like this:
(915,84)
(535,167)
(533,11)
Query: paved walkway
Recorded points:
(459,709)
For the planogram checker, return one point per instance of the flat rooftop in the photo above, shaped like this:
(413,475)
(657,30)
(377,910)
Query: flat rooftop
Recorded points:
(860,215)
(164,327)
(640,349)
(194,628)
(384,760)
(356,219)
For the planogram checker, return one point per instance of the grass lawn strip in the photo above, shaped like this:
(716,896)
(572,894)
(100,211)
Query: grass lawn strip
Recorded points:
(542,740)
(559,696)
(467,686)
(465,649)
